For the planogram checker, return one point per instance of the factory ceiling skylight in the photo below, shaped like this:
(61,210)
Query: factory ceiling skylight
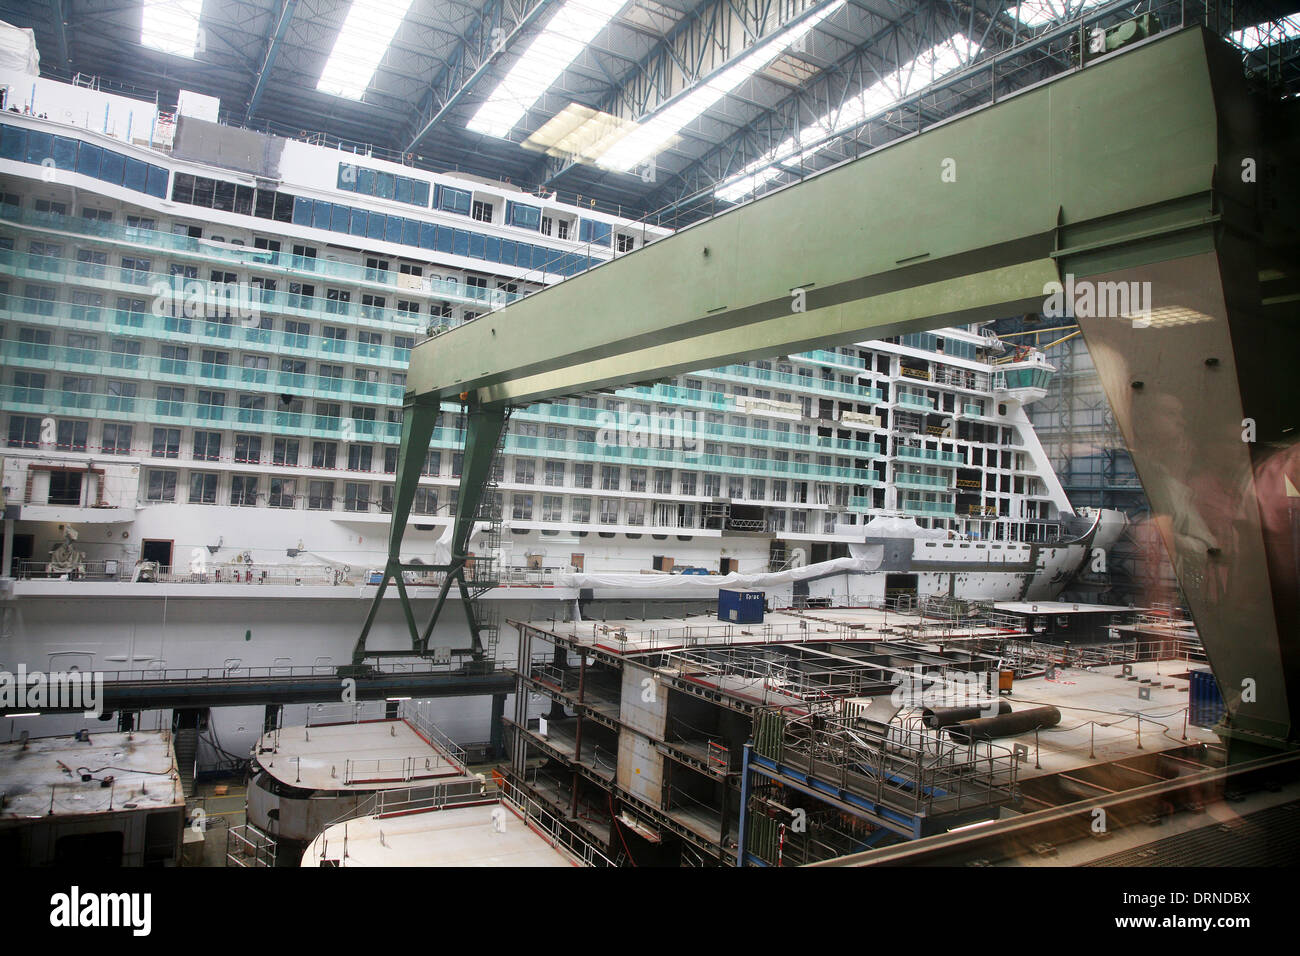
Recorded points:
(1037,13)
(171,26)
(1267,34)
(918,73)
(362,42)
(648,138)
(566,35)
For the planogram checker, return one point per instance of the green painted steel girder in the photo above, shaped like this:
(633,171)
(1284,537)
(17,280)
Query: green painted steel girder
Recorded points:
(1124,170)
(960,223)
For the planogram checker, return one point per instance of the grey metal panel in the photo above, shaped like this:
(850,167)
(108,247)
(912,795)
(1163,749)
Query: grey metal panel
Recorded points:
(213,144)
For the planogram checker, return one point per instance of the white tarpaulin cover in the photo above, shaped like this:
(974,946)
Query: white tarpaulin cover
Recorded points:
(18,50)
(893,526)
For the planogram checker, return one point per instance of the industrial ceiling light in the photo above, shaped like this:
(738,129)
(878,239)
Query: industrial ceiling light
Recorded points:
(364,38)
(919,72)
(578,133)
(652,135)
(171,26)
(566,35)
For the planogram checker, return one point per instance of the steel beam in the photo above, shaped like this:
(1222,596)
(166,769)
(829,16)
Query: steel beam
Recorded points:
(58,19)
(486,40)
(267,691)
(418,417)
(1075,179)
(883,244)
(272,51)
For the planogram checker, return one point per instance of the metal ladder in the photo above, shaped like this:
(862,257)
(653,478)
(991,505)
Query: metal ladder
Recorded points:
(486,572)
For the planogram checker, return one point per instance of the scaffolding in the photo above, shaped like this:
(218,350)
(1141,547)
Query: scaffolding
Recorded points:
(888,780)
(248,847)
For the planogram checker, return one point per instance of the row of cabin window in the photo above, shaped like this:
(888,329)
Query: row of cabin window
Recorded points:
(62,152)
(335,217)
(245,490)
(370,182)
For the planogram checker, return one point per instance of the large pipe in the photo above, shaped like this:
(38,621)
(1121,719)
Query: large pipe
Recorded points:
(1006,725)
(936,717)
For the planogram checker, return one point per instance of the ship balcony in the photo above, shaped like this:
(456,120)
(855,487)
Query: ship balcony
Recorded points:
(680,396)
(48,401)
(207,298)
(921,402)
(932,508)
(972,410)
(262,260)
(156,370)
(802,383)
(829,357)
(923,482)
(908,453)
(668,428)
(230,333)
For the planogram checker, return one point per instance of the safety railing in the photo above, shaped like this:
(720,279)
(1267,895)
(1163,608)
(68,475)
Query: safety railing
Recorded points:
(325,715)
(249,847)
(542,821)
(908,768)
(395,769)
(111,570)
(416,713)
(241,672)
(628,637)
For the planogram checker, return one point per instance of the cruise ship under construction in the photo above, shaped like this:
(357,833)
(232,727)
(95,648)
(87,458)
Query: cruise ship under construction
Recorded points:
(763,565)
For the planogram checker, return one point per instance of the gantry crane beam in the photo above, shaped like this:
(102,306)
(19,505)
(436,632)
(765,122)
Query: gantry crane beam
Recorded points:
(1127,169)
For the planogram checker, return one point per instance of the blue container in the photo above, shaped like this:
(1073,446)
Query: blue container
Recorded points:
(1205,702)
(736,606)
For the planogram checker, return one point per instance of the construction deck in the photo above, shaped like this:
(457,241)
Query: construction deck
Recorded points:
(463,836)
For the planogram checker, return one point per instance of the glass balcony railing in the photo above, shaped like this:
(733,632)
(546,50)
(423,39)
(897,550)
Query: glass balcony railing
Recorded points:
(802,383)
(163,412)
(239,304)
(260,261)
(972,410)
(930,508)
(149,368)
(905,480)
(908,453)
(908,400)
(831,357)
(233,334)
(660,427)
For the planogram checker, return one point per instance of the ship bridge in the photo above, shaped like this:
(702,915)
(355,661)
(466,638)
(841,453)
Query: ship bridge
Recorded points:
(1149,167)
(1023,376)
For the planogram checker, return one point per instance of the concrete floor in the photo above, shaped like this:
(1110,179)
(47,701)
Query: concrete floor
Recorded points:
(221,813)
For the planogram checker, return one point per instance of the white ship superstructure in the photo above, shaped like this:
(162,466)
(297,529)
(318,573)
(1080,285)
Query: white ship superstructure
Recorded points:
(205,333)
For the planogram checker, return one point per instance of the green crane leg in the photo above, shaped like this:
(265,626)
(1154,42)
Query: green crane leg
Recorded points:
(418,417)
(483,431)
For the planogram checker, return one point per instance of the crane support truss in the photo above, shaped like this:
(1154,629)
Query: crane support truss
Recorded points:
(1128,170)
